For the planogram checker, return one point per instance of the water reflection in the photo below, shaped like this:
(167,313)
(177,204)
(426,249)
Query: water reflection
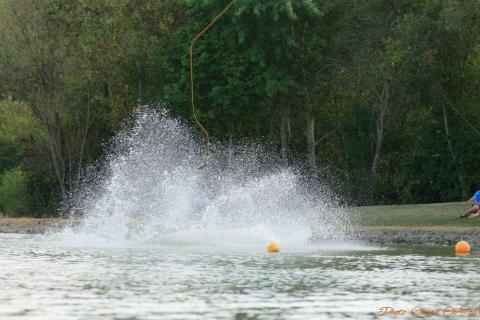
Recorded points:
(43,281)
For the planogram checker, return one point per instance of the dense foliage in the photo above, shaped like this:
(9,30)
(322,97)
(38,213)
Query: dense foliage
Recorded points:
(381,95)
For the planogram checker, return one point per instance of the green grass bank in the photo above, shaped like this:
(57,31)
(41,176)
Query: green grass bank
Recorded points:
(416,215)
(421,224)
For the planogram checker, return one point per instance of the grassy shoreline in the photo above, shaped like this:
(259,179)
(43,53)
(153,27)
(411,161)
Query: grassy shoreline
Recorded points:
(30,225)
(434,216)
(416,215)
(436,224)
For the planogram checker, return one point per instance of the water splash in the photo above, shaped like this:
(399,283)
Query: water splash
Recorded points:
(150,190)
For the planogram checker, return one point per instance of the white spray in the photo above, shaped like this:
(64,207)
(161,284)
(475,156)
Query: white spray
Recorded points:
(151,191)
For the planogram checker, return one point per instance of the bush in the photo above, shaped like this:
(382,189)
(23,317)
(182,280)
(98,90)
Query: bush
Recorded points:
(14,198)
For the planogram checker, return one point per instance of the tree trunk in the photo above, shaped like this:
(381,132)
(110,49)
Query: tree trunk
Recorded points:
(284,135)
(54,146)
(83,138)
(230,149)
(257,128)
(231,130)
(384,104)
(458,167)
(310,133)
(142,75)
(289,124)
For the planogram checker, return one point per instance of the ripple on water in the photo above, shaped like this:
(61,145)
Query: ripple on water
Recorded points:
(41,280)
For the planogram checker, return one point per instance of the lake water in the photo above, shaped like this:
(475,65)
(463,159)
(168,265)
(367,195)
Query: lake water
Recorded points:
(44,279)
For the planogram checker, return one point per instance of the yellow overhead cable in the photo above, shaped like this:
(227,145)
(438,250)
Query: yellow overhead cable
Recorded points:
(192,82)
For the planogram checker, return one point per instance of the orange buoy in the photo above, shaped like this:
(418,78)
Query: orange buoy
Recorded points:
(273,248)
(462,247)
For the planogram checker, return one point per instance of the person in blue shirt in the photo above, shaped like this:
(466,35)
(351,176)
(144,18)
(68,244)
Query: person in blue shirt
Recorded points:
(475,210)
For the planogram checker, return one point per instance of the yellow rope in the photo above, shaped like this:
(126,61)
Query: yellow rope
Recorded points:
(192,82)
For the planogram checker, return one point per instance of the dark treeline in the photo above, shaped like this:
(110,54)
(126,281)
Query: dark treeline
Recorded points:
(381,94)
